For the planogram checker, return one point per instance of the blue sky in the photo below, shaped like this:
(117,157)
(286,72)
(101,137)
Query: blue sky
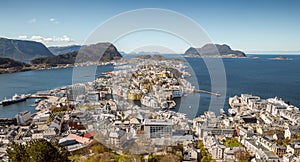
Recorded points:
(255,26)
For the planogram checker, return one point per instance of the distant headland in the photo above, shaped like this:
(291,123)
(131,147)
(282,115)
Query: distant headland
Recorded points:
(214,50)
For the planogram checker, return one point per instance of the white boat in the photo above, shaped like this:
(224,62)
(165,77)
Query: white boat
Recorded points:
(231,111)
(168,104)
(37,100)
(15,99)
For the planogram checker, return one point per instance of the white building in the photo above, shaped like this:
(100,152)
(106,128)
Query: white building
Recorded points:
(23,117)
(155,128)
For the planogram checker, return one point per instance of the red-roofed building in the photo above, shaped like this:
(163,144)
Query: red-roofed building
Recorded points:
(79,139)
(90,135)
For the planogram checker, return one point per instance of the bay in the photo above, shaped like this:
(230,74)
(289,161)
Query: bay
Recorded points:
(258,76)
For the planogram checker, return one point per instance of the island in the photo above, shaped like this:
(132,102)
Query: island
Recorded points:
(214,50)
(280,58)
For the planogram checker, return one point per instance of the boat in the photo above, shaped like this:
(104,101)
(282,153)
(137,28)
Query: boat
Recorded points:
(15,99)
(168,104)
(231,112)
(37,100)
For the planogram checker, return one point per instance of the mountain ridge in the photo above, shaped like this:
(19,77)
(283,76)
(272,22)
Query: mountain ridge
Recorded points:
(21,50)
(100,52)
(57,50)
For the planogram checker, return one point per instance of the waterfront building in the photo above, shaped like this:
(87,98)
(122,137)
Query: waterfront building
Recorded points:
(23,118)
(75,91)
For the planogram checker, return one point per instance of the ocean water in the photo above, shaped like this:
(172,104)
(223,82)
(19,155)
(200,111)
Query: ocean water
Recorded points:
(258,76)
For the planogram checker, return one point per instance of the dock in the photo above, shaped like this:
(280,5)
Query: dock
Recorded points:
(208,92)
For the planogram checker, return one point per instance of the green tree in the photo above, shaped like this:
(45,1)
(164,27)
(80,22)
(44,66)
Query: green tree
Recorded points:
(232,142)
(152,158)
(17,153)
(242,155)
(38,151)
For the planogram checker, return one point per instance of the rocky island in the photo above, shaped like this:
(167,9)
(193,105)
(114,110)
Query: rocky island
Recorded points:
(214,50)
(280,58)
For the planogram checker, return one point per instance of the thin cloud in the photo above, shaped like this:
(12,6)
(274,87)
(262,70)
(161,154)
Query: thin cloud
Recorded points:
(22,37)
(53,20)
(31,21)
(47,40)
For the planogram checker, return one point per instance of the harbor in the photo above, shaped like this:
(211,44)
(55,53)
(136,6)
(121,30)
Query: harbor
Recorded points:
(71,113)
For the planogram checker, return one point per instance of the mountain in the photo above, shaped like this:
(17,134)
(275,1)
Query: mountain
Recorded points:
(65,49)
(22,49)
(100,52)
(211,50)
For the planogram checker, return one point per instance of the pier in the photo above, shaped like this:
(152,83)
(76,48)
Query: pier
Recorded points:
(208,92)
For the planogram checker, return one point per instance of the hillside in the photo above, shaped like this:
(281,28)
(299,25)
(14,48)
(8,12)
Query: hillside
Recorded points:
(64,49)
(214,50)
(22,50)
(100,52)
(8,65)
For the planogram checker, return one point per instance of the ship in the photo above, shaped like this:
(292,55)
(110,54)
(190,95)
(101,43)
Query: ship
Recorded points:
(15,99)
(168,104)
(231,112)
(36,101)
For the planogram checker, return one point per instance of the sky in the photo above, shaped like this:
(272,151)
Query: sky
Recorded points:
(256,26)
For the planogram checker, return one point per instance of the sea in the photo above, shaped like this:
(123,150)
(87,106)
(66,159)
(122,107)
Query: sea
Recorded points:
(257,75)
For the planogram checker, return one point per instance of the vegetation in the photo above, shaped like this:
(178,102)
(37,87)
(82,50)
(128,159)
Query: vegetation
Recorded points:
(232,142)
(98,152)
(169,158)
(205,155)
(283,142)
(153,158)
(8,65)
(56,109)
(242,156)
(37,151)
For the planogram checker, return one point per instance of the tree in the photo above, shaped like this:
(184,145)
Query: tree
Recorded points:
(169,158)
(232,142)
(242,155)
(17,153)
(38,151)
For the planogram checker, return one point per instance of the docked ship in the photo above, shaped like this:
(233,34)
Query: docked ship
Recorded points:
(231,112)
(168,104)
(15,99)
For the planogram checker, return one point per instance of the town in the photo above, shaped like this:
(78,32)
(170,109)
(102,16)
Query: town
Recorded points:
(130,111)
